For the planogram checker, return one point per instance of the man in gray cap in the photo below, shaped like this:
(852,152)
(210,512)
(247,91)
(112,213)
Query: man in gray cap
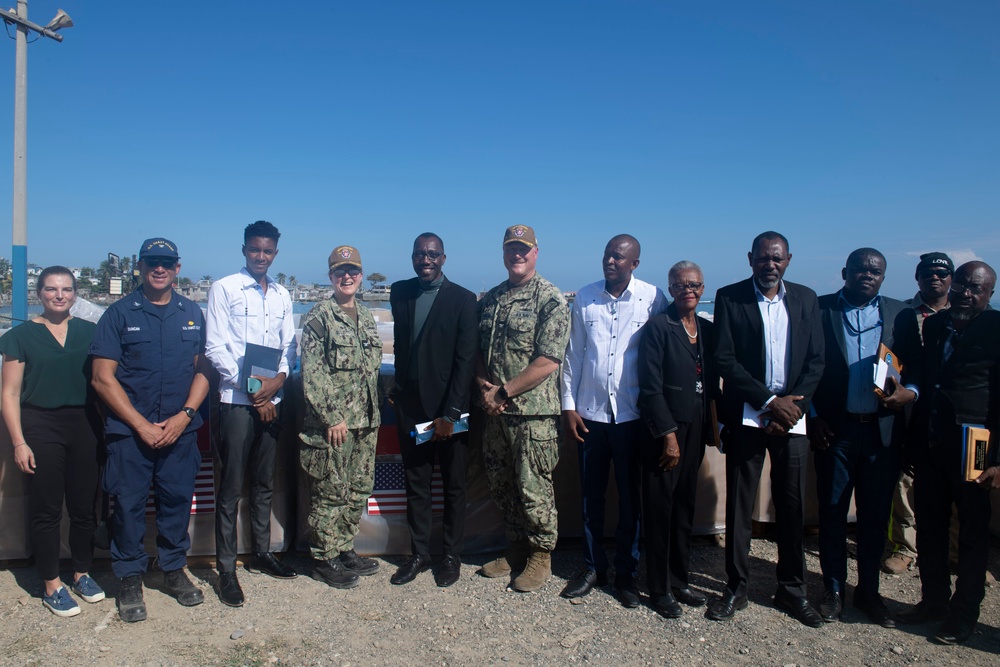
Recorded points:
(524,329)
(150,371)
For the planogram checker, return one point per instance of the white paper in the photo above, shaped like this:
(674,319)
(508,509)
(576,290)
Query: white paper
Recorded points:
(881,370)
(422,432)
(753,419)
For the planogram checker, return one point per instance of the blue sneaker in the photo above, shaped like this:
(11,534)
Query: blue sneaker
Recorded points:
(60,603)
(88,589)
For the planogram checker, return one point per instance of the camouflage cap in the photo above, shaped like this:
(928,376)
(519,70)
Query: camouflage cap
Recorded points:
(345,254)
(520,234)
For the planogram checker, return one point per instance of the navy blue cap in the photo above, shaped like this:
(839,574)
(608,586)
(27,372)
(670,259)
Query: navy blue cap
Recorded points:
(158,247)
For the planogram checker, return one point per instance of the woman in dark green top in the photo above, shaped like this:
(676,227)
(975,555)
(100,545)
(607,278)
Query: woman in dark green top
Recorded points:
(44,405)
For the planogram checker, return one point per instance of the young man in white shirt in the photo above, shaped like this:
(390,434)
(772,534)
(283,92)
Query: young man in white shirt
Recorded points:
(248,307)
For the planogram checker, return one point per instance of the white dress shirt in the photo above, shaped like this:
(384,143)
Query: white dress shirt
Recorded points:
(776,333)
(600,377)
(239,312)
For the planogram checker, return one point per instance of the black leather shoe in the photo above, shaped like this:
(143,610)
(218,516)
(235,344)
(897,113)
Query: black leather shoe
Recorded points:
(627,592)
(333,573)
(799,608)
(690,596)
(667,606)
(230,592)
(582,583)
(874,607)
(359,565)
(832,605)
(409,570)
(955,631)
(449,571)
(176,583)
(725,607)
(266,562)
(923,612)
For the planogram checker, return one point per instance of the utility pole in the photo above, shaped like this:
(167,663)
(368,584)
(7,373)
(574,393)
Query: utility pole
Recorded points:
(19,258)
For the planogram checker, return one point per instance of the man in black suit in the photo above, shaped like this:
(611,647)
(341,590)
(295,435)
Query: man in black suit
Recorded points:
(855,437)
(435,337)
(958,376)
(770,357)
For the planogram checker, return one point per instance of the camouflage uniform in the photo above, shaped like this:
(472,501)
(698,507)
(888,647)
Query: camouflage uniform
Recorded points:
(521,445)
(340,364)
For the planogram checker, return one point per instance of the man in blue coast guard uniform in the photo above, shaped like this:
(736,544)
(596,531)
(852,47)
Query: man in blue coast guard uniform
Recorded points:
(149,371)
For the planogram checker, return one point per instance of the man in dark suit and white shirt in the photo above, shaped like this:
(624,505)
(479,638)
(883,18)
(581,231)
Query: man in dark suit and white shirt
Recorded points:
(770,357)
(436,336)
(856,438)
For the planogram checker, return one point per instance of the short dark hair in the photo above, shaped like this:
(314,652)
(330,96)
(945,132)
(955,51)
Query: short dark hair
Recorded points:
(430,235)
(862,254)
(53,271)
(262,229)
(769,236)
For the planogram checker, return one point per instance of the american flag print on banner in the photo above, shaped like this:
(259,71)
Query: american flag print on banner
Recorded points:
(203,501)
(389,496)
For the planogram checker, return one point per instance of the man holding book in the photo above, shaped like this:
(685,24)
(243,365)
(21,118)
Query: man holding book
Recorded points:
(856,438)
(958,375)
(251,343)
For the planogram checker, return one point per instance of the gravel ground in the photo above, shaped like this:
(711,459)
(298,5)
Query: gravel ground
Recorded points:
(477,621)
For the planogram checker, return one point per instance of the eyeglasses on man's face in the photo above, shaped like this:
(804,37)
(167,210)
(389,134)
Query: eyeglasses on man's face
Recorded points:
(974,290)
(156,262)
(940,274)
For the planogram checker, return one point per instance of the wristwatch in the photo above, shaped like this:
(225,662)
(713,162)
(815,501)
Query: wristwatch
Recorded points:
(502,393)
(190,412)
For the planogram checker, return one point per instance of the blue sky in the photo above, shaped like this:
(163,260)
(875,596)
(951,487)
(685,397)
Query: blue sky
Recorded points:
(691,125)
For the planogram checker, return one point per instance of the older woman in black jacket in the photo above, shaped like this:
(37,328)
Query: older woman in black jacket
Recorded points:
(676,382)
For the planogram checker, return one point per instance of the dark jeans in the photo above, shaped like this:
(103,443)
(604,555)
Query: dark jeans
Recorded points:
(418,467)
(64,442)
(939,482)
(855,462)
(245,443)
(130,468)
(668,499)
(604,445)
(745,451)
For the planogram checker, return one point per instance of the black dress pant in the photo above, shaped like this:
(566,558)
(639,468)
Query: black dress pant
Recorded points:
(64,442)
(745,450)
(668,503)
(418,468)
(245,443)
(938,482)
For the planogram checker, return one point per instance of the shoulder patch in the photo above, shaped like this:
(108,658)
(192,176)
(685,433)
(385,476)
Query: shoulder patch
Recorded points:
(316,328)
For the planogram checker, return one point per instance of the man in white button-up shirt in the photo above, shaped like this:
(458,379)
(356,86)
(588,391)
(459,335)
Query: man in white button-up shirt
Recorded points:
(600,392)
(248,307)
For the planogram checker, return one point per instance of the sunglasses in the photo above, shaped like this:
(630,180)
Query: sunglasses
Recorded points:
(940,273)
(353,272)
(156,262)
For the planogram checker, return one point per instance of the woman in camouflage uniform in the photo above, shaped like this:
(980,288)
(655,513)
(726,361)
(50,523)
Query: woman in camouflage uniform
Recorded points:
(341,355)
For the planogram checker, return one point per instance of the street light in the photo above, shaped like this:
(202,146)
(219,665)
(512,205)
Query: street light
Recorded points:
(19,258)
